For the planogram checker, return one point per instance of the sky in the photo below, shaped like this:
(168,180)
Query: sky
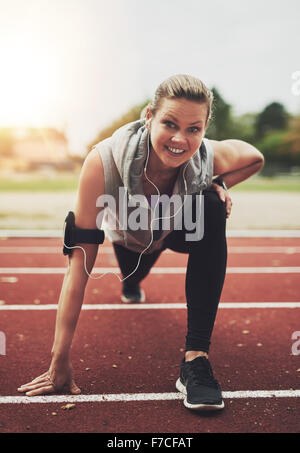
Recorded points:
(79,64)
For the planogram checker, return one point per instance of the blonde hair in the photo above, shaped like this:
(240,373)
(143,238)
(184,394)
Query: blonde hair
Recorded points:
(182,86)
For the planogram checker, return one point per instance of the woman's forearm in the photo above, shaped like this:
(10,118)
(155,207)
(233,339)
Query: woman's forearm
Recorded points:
(236,160)
(70,302)
(69,306)
(235,177)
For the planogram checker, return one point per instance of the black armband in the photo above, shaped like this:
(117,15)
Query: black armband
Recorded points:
(74,235)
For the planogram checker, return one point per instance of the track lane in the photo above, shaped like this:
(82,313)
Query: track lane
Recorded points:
(250,252)
(165,260)
(45,289)
(251,349)
(134,361)
(276,415)
(240,360)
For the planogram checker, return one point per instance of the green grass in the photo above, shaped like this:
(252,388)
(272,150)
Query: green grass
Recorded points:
(24,216)
(273,184)
(63,183)
(38,184)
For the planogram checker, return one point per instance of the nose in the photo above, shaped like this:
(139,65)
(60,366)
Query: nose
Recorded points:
(178,138)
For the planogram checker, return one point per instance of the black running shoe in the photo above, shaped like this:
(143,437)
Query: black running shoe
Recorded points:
(197,382)
(132,294)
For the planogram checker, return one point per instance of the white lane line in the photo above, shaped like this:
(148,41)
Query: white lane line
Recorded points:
(154,306)
(46,250)
(264,270)
(288,250)
(263,233)
(31,233)
(58,233)
(122,397)
(154,270)
(43,250)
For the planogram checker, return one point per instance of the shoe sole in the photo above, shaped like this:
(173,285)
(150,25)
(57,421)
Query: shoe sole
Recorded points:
(127,300)
(197,407)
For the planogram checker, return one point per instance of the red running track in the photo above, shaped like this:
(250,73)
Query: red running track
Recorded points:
(139,350)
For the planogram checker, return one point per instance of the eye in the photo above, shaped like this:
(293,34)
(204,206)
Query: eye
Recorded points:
(194,129)
(170,124)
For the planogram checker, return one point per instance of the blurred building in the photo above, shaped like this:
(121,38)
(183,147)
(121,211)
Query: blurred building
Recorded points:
(26,149)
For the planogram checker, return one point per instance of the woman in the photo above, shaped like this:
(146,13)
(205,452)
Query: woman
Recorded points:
(164,154)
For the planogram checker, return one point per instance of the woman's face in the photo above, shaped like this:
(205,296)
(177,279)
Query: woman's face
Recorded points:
(177,130)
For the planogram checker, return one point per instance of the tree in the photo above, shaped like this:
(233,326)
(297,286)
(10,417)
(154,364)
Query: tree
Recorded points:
(273,117)
(271,146)
(281,148)
(132,115)
(291,141)
(220,125)
(243,127)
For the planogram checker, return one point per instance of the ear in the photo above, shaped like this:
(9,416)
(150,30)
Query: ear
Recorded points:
(148,116)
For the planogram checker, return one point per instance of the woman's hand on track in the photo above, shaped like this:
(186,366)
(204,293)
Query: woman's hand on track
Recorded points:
(54,380)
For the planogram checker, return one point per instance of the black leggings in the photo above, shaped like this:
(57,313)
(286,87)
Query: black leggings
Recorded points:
(205,273)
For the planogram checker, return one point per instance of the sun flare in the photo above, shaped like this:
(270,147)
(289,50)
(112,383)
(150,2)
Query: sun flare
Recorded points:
(27,82)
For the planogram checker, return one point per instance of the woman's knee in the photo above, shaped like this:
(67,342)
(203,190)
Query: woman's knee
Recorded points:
(214,209)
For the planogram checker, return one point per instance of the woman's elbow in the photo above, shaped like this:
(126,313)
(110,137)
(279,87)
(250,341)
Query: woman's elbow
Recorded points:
(260,160)
(258,164)
(255,157)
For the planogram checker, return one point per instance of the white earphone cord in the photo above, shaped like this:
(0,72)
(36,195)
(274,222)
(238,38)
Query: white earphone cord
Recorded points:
(158,218)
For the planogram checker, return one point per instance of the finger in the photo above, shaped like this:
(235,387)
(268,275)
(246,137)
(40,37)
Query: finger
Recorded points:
(34,386)
(41,391)
(221,194)
(228,211)
(37,379)
(41,379)
(228,204)
(75,390)
(228,200)
(41,376)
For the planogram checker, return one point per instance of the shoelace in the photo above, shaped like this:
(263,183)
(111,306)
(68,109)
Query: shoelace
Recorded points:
(201,373)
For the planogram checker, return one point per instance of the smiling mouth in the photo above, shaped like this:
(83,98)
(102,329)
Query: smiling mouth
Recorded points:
(175,150)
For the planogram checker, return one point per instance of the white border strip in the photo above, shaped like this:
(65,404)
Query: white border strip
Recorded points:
(287,250)
(58,250)
(124,397)
(230,233)
(154,270)
(31,233)
(263,233)
(153,306)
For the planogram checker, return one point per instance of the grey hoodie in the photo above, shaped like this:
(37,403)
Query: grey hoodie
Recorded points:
(124,156)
